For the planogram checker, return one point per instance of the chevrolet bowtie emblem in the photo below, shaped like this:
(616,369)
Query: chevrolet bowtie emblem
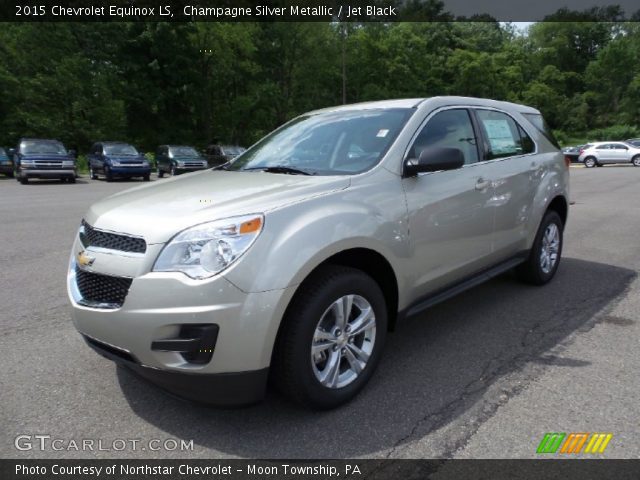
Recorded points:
(84,259)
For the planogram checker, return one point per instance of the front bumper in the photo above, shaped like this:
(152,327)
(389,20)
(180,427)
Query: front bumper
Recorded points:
(159,305)
(56,173)
(220,389)
(130,171)
(179,170)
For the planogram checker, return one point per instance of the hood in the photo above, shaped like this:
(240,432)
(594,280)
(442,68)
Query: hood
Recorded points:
(160,210)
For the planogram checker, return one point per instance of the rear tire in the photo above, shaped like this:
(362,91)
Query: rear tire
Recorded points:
(544,256)
(313,323)
(590,162)
(636,161)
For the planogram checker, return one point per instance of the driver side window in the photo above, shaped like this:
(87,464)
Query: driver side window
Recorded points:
(449,128)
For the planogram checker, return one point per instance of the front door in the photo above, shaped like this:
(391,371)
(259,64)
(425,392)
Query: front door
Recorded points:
(450,212)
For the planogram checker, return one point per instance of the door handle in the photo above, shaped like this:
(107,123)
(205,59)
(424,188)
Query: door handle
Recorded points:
(482,184)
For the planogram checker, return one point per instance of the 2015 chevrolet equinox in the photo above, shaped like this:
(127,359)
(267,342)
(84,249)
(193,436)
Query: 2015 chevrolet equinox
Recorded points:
(296,258)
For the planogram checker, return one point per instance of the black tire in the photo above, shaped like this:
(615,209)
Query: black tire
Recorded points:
(590,162)
(71,179)
(531,271)
(147,177)
(108,174)
(292,368)
(636,161)
(92,174)
(23,180)
(160,173)
(173,170)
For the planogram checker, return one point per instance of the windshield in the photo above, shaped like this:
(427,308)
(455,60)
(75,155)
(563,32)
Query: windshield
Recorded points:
(120,149)
(333,143)
(183,152)
(230,150)
(30,147)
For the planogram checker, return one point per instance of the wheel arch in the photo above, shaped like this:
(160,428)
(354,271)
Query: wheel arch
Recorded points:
(559,205)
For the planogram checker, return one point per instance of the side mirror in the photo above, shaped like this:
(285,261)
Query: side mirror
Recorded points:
(434,159)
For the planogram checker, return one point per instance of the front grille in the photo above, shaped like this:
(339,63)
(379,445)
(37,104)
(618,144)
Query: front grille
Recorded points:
(48,165)
(113,241)
(103,289)
(193,164)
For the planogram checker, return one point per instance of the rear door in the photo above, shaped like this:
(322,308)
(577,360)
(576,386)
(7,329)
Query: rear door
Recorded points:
(604,153)
(515,172)
(450,212)
(620,153)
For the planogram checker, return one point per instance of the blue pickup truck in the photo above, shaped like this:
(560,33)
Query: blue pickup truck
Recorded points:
(117,159)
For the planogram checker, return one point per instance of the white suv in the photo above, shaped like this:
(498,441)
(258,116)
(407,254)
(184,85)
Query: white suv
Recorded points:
(603,153)
(296,258)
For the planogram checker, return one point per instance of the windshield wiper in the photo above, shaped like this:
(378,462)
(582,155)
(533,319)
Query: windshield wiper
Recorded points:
(281,169)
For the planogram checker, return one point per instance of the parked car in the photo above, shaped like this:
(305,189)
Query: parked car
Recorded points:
(220,154)
(634,141)
(573,153)
(176,159)
(43,158)
(603,153)
(117,159)
(296,258)
(6,163)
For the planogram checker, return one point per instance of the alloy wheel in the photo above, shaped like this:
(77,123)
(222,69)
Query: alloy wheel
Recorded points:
(550,248)
(343,341)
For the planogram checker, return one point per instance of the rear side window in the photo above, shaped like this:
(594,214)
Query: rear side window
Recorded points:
(538,121)
(503,134)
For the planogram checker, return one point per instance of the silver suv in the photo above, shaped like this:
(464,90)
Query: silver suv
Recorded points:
(603,153)
(294,260)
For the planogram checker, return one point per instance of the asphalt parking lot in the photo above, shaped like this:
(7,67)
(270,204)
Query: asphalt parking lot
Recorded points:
(483,375)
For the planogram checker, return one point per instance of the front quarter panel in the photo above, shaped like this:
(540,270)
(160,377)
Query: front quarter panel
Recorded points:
(371,213)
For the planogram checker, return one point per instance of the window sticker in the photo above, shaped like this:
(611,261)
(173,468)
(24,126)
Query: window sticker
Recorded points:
(382,133)
(500,137)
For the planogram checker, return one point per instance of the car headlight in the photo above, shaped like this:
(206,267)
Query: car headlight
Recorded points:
(115,163)
(207,249)
(180,164)
(68,163)
(28,163)
(145,163)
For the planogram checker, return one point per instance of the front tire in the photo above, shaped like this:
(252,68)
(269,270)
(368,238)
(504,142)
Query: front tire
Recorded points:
(331,338)
(92,174)
(636,161)
(160,172)
(590,162)
(544,256)
(173,170)
(147,177)
(108,174)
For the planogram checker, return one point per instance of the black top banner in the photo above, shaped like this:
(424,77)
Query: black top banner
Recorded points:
(318,10)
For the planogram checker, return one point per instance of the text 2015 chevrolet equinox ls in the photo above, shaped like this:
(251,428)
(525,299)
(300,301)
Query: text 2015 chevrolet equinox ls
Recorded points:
(296,258)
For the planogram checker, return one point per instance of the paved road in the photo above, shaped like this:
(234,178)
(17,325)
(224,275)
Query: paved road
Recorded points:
(482,375)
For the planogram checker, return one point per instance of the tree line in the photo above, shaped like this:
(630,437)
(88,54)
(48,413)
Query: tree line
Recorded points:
(194,83)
